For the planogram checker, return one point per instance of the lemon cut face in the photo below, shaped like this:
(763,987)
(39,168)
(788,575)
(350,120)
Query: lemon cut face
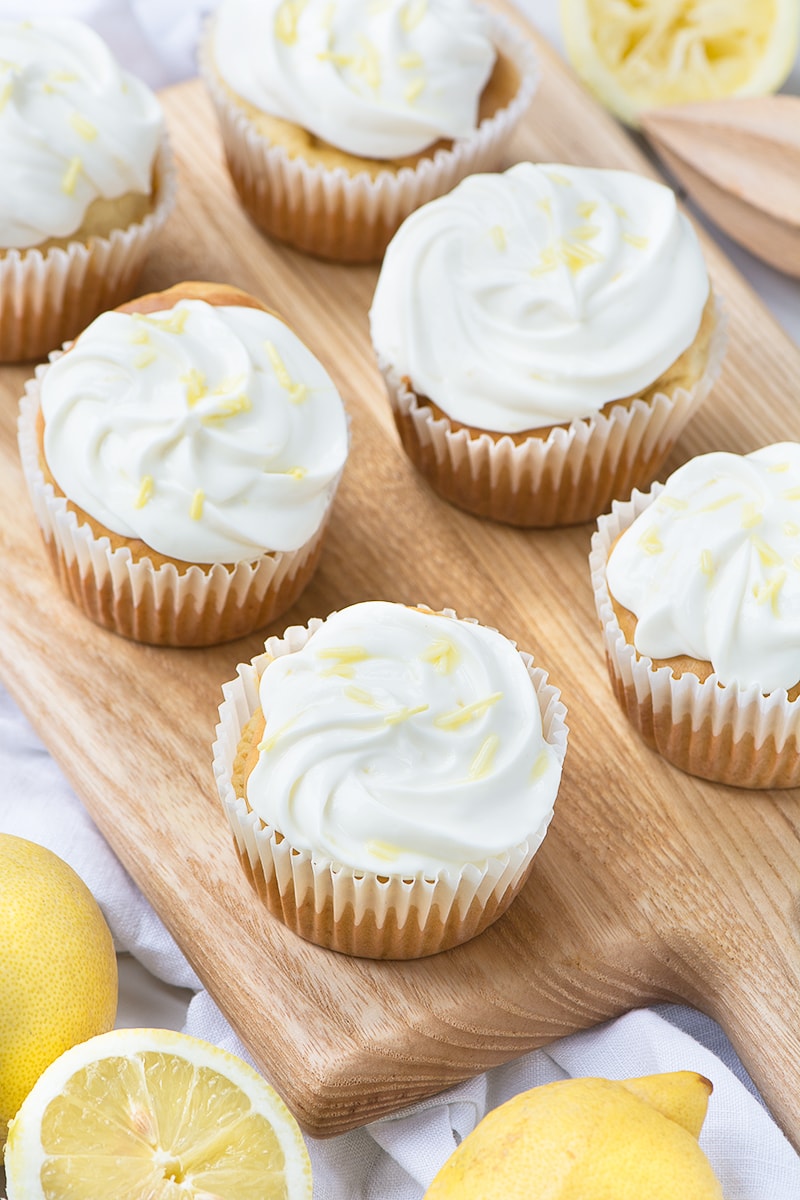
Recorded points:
(154,1115)
(641,54)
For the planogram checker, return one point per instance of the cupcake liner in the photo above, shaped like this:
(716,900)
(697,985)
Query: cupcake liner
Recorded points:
(568,477)
(351,218)
(357,912)
(736,736)
(202,606)
(47,298)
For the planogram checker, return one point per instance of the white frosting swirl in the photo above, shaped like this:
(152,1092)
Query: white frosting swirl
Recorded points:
(211,433)
(532,297)
(402,741)
(74,127)
(711,568)
(378,80)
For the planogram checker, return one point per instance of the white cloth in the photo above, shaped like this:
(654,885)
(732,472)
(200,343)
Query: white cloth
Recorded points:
(395,1158)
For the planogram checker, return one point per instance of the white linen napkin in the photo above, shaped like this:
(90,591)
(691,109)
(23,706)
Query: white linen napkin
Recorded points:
(397,1157)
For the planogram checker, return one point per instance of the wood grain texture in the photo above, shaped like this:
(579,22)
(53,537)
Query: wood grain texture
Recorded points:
(650,885)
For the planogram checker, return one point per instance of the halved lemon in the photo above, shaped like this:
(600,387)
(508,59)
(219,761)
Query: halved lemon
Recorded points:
(638,54)
(148,1114)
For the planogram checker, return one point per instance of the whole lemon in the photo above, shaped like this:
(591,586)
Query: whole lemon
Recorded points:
(58,969)
(588,1139)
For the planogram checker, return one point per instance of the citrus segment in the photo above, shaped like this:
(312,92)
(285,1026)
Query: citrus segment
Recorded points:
(155,1114)
(639,54)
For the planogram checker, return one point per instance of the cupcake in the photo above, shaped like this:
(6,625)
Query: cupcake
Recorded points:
(87,182)
(697,586)
(182,457)
(389,774)
(544,335)
(340,118)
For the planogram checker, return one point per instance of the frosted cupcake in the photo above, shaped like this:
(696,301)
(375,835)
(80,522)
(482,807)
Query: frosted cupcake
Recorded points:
(545,334)
(87,182)
(697,587)
(182,457)
(389,774)
(339,118)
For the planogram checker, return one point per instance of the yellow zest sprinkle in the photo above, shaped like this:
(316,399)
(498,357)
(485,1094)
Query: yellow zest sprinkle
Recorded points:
(138,337)
(796,562)
(345,654)
(196,387)
(561,180)
(368,64)
(297,391)
(498,236)
(468,712)
(750,516)
(196,511)
(790,529)
(286,19)
(382,850)
(62,77)
(338,60)
(620,211)
(442,654)
(403,714)
(585,233)
(768,556)
(573,255)
(268,743)
(145,491)
(360,695)
(778,468)
(792,494)
(540,766)
(412,13)
(706,563)
(328,13)
(83,127)
(586,209)
(548,262)
(636,240)
(8,64)
(231,407)
(173,323)
(297,472)
(145,358)
(481,764)
(769,590)
(715,505)
(409,62)
(616,276)
(650,541)
(5,94)
(673,502)
(414,89)
(545,205)
(70,176)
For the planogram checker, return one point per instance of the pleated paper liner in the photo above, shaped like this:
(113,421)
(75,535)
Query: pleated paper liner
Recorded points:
(357,912)
(48,298)
(736,736)
(351,218)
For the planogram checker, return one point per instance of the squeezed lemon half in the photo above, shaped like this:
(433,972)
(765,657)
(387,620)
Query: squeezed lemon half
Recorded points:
(640,54)
(148,1114)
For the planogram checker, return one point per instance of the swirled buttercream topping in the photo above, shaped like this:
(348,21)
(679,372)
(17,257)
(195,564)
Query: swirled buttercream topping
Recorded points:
(402,741)
(711,568)
(532,297)
(375,78)
(74,128)
(210,432)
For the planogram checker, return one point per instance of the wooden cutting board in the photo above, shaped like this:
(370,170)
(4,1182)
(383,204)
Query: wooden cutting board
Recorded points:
(650,885)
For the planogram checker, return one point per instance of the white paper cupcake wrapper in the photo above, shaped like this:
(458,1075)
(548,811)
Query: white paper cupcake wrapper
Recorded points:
(568,477)
(45,299)
(351,218)
(199,607)
(735,736)
(357,912)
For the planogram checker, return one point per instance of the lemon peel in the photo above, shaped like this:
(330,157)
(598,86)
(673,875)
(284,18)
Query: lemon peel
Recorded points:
(640,54)
(58,969)
(588,1139)
(151,1113)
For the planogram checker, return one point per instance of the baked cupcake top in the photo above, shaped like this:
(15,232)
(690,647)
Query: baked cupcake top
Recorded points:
(381,80)
(74,128)
(399,740)
(529,298)
(711,568)
(208,431)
